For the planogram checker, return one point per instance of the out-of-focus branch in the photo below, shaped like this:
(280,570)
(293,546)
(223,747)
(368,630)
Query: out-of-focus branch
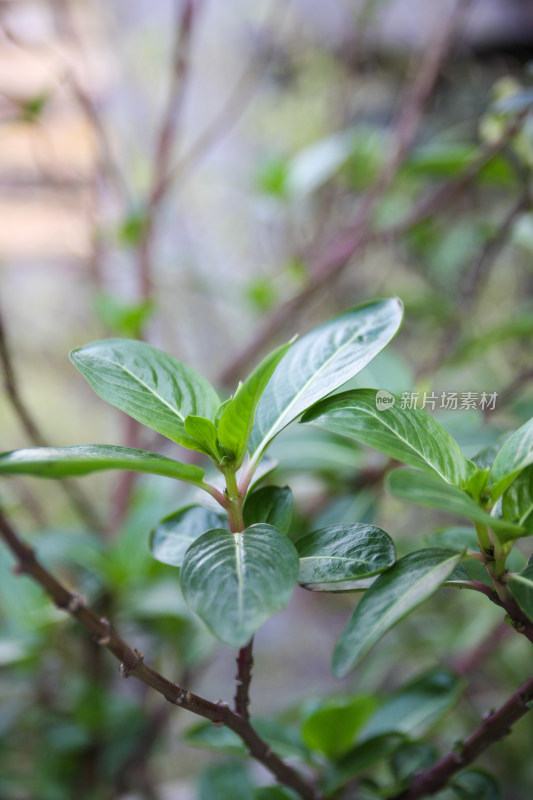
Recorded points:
(75,495)
(329,264)
(185,21)
(494,727)
(132,664)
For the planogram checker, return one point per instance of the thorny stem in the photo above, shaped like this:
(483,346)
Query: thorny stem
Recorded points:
(132,664)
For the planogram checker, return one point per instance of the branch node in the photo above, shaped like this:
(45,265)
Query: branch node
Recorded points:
(75,603)
(126,670)
(105,637)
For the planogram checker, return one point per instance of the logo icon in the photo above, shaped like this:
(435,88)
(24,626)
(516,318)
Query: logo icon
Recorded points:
(384,400)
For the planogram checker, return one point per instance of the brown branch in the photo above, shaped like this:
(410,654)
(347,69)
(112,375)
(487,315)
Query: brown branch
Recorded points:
(494,727)
(132,664)
(245,662)
(166,139)
(75,495)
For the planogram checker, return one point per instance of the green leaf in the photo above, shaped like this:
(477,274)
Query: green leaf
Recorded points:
(431,492)
(409,435)
(521,587)
(320,362)
(517,501)
(391,597)
(474,784)
(270,504)
(341,552)
(237,419)
(411,757)
(362,758)
(332,729)
(204,433)
(274,793)
(172,536)
(149,385)
(61,462)
(515,455)
(236,581)
(416,707)
(225,781)
(283,738)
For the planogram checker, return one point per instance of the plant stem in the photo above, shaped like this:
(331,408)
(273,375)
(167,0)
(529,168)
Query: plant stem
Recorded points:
(483,536)
(234,500)
(132,664)
(245,662)
(494,727)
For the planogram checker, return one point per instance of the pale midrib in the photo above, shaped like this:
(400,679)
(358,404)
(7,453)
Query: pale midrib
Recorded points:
(268,436)
(413,587)
(334,558)
(237,537)
(421,455)
(136,379)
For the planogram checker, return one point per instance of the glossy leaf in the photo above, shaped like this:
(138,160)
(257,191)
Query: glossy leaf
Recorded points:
(236,581)
(332,729)
(409,435)
(321,362)
(521,587)
(270,504)
(517,502)
(237,419)
(515,455)
(204,433)
(416,707)
(61,462)
(149,385)
(425,490)
(391,597)
(172,536)
(341,552)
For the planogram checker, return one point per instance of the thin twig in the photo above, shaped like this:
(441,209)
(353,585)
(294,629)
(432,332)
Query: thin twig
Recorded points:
(494,727)
(75,495)
(132,664)
(245,662)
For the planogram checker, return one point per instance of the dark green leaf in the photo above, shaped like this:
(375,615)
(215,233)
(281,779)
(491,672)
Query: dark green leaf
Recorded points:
(236,581)
(474,784)
(270,504)
(60,462)
(416,707)
(431,492)
(332,728)
(172,536)
(394,594)
(409,435)
(411,757)
(341,552)
(149,385)
(521,587)
(321,362)
(225,781)
(515,455)
(363,757)
(237,419)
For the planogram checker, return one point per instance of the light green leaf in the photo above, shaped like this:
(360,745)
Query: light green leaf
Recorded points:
(517,502)
(332,729)
(431,492)
(521,587)
(270,504)
(236,581)
(61,462)
(320,362)
(415,708)
(237,419)
(342,552)
(149,385)
(515,455)
(391,597)
(204,433)
(409,435)
(172,536)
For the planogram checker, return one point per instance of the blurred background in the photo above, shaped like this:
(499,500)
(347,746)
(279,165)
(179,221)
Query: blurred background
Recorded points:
(213,177)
